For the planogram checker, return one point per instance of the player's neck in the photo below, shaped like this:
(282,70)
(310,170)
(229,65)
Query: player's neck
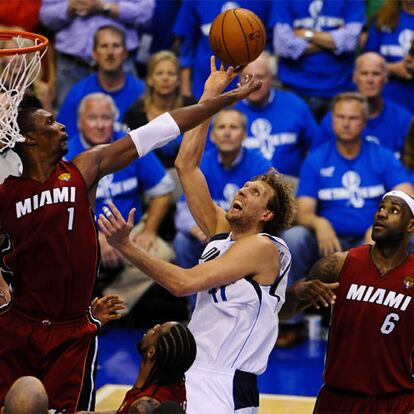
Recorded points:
(388,256)
(240,231)
(38,168)
(144,372)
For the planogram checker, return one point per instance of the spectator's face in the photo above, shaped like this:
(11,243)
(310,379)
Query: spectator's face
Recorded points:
(260,69)
(228,131)
(109,53)
(348,120)
(97,122)
(164,78)
(370,76)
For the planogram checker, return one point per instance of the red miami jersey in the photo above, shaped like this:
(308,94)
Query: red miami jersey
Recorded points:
(162,393)
(53,252)
(371,340)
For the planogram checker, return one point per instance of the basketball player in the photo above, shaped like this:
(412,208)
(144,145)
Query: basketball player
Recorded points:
(241,278)
(369,362)
(51,252)
(167,351)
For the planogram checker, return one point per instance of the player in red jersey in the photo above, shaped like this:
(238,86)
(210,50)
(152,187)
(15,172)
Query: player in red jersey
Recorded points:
(369,362)
(167,351)
(51,251)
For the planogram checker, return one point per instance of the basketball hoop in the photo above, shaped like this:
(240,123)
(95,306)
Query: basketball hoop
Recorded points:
(19,68)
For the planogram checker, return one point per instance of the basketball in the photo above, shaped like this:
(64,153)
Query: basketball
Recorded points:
(237,36)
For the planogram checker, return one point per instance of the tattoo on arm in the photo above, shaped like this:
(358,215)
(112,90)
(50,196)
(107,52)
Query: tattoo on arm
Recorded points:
(328,268)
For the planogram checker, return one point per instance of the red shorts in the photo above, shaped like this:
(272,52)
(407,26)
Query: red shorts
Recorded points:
(330,401)
(61,354)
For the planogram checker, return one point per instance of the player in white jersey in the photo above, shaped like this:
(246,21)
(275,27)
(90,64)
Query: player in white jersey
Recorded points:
(241,278)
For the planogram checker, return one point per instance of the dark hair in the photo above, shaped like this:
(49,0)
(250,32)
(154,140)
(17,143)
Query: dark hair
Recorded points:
(388,15)
(25,120)
(281,203)
(175,352)
(112,28)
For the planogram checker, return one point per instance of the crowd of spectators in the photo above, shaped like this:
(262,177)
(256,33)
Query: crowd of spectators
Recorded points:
(335,113)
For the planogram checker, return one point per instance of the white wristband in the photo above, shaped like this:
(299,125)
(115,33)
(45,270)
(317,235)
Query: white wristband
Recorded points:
(160,131)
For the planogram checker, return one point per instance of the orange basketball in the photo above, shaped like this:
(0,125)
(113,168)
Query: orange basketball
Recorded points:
(237,36)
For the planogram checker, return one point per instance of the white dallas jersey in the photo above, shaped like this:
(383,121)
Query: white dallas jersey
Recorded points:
(236,326)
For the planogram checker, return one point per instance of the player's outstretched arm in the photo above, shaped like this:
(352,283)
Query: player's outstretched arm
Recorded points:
(317,289)
(209,217)
(105,159)
(253,255)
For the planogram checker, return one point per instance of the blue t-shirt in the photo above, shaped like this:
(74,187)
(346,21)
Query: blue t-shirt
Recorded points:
(123,98)
(124,187)
(393,46)
(193,25)
(157,34)
(348,191)
(324,73)
(283,130)
(389,128)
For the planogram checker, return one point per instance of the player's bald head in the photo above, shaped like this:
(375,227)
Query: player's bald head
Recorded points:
(26,396)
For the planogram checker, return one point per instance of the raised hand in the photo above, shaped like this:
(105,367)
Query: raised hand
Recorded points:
(114,227)
(218,79)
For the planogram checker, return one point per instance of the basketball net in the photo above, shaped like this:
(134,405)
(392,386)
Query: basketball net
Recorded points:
(21,68)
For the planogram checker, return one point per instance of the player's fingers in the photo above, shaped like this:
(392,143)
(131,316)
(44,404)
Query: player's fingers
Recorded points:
(213,64)
(131,217)
(104,225)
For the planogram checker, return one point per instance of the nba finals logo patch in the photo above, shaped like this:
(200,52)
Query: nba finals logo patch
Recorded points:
(65,177)
(408,282)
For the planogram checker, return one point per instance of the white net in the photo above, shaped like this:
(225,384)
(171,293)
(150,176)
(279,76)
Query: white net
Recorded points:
(17,73)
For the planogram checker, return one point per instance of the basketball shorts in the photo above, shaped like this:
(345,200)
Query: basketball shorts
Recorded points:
(332,401)
(61,354)
(212,389)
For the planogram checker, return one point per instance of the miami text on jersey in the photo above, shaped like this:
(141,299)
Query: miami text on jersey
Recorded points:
(54,196)
(377,295)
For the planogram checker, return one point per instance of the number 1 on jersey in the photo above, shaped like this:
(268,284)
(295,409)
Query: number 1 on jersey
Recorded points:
(71,214)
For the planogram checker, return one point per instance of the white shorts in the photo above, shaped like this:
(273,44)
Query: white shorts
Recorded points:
(212,390)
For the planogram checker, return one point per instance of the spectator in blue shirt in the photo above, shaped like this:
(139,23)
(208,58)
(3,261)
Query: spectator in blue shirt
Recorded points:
(279,123)
(388,123)
(110,53)
(192,27)
(226,167)
(340,186)
(144,177)
(76,21)
(392,35)
(158,34)
(315,41)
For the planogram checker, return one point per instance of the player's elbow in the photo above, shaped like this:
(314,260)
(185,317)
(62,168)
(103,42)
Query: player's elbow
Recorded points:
(180,289)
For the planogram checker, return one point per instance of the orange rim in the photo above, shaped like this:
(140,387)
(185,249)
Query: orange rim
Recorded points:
(9,34)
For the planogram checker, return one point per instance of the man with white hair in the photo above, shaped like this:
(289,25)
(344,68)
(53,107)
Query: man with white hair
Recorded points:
(145,178)
(279,123)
